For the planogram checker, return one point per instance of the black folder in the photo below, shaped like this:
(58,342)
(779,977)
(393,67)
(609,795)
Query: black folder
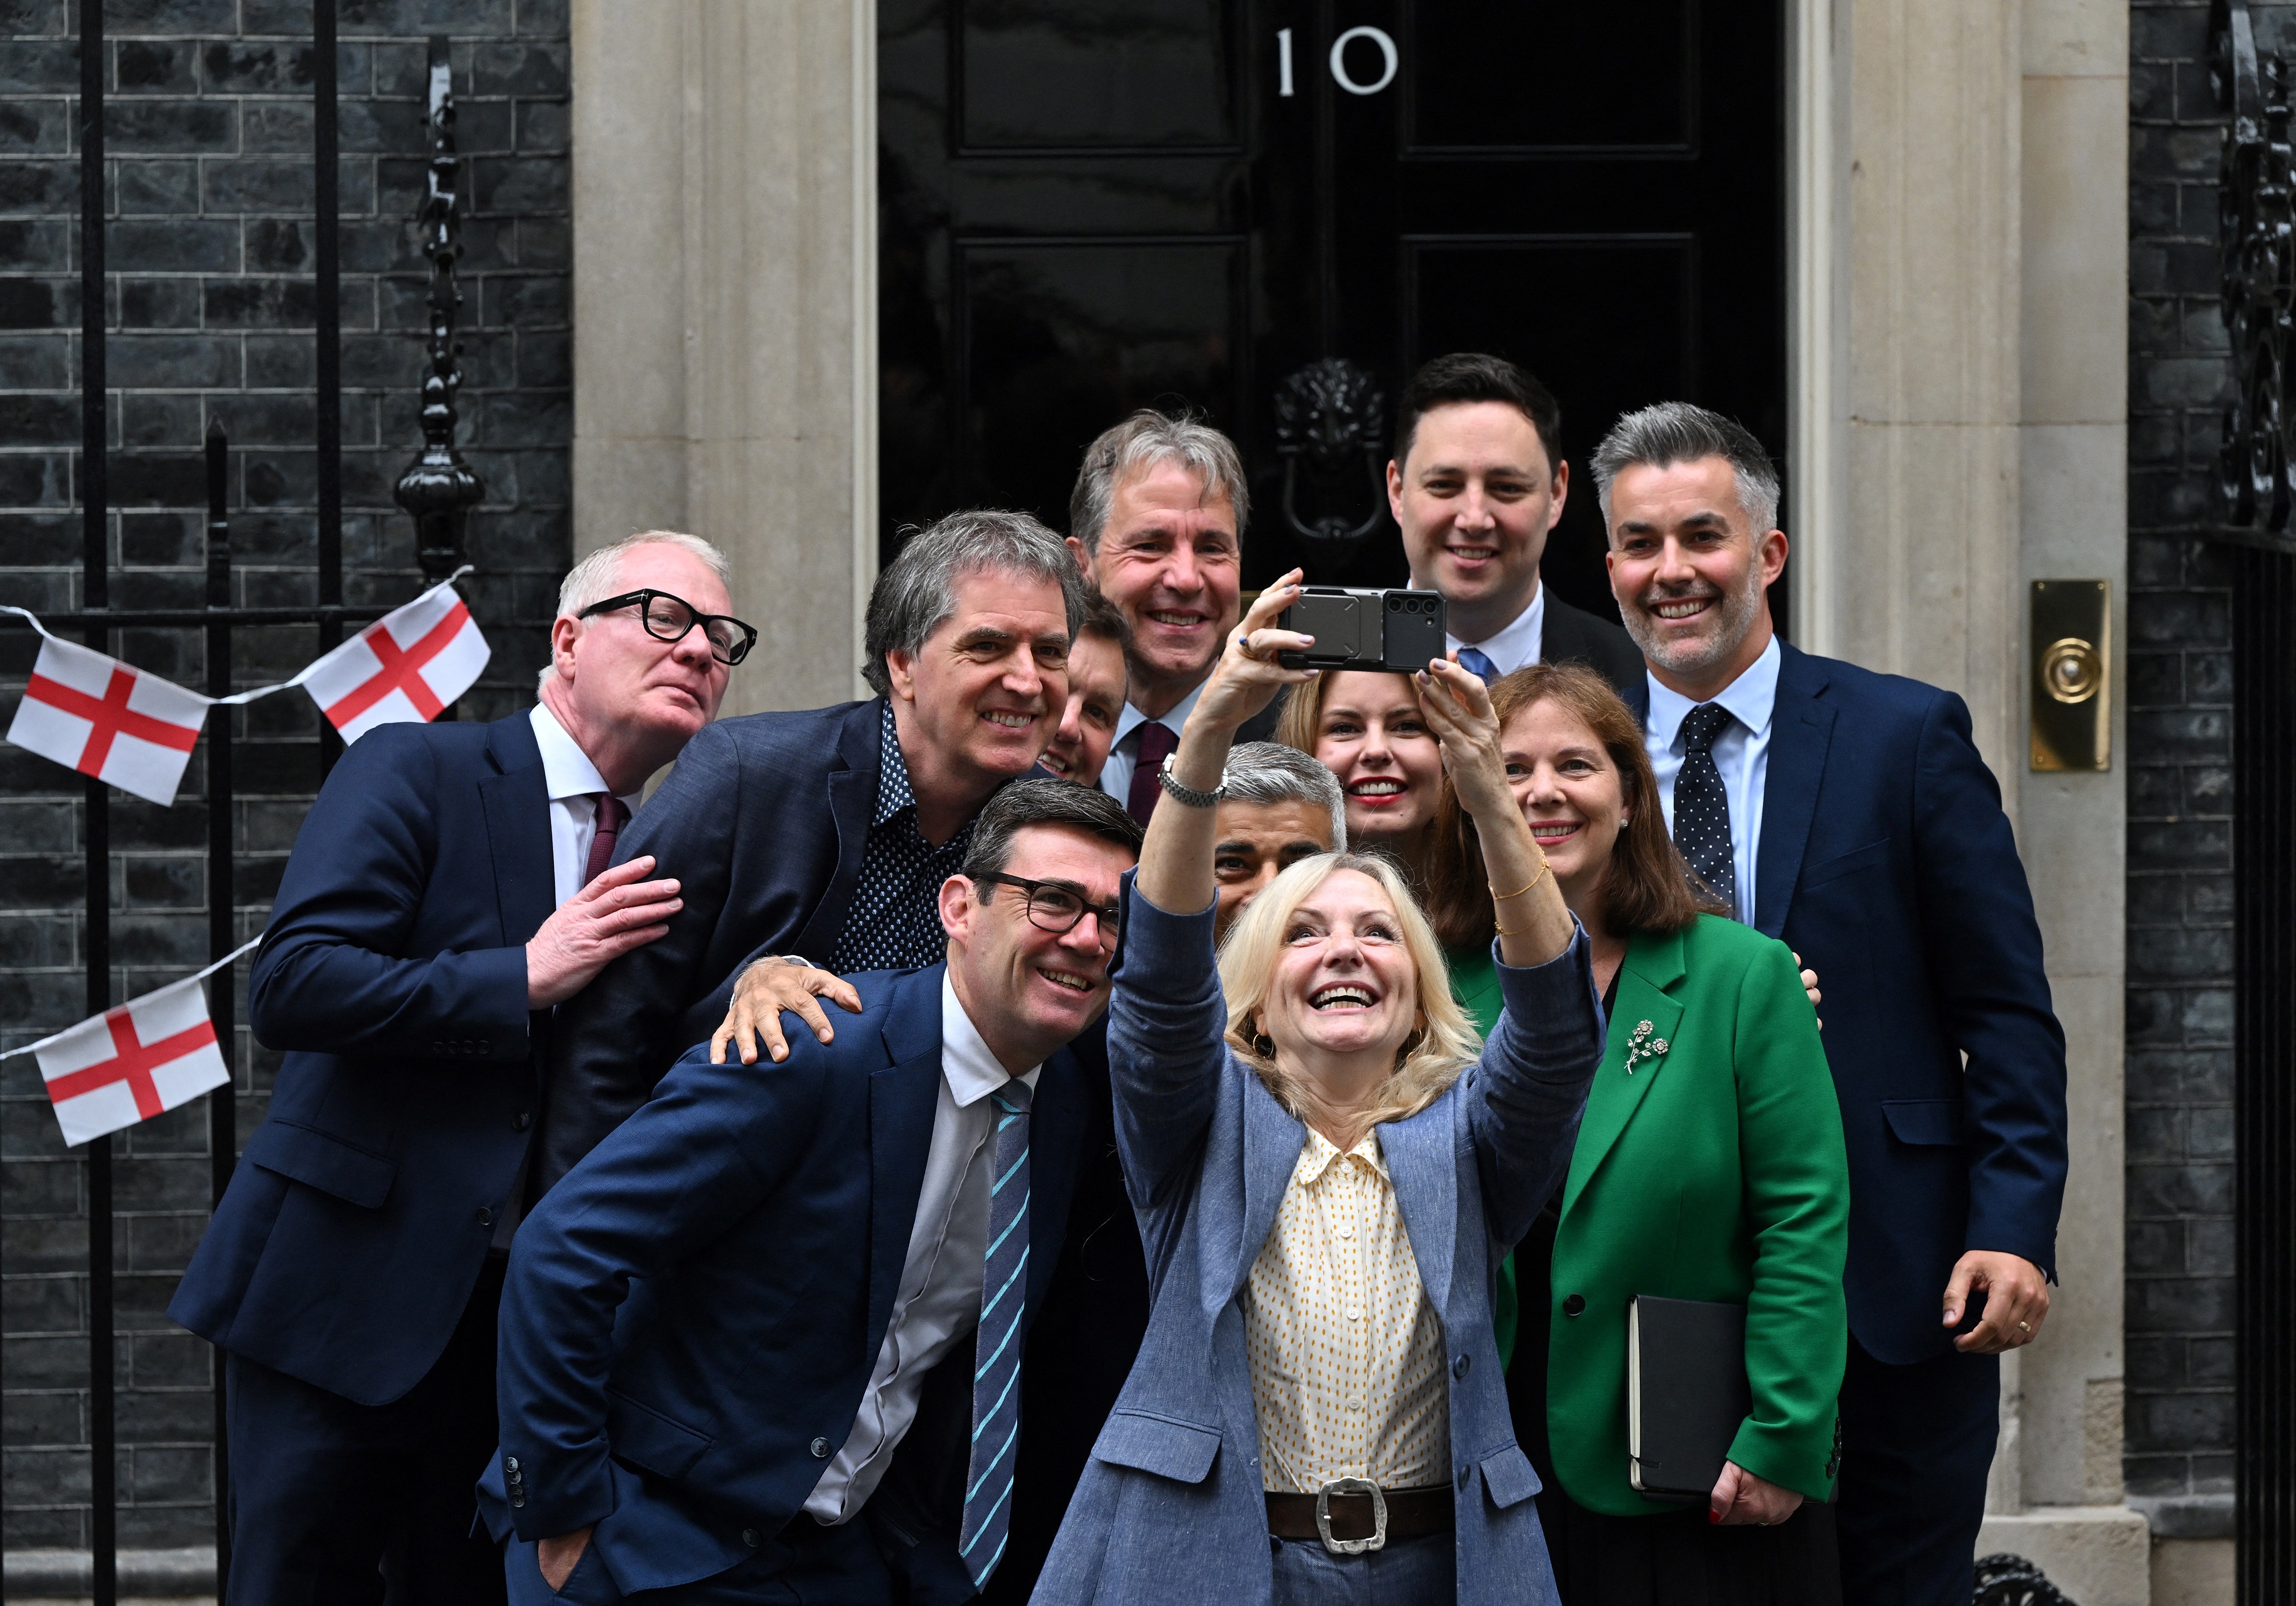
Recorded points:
(1686,1393)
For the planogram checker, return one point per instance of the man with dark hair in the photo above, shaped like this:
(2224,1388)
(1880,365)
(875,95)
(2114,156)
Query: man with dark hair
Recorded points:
(1157,520)
(1477,482)
(1848,814)
(769,1337)
(1096,695)
(819,838)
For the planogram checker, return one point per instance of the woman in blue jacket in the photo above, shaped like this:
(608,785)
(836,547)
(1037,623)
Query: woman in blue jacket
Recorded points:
(1325,1174)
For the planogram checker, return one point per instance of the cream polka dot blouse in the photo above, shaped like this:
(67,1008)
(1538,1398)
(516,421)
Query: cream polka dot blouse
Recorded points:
(1346,1355)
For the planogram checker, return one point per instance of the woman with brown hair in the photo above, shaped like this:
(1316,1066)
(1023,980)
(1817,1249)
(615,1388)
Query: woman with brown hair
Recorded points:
(1708,1166)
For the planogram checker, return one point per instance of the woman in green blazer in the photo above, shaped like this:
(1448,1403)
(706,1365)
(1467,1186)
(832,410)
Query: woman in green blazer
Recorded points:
(1708,1165)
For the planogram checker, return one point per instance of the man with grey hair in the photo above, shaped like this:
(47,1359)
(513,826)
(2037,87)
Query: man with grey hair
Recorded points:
(450,887)
(1277,807)
(822,838)
(1849,814)
(1157,520)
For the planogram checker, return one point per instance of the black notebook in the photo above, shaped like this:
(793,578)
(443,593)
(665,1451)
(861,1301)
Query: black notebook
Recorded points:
(1686,1394)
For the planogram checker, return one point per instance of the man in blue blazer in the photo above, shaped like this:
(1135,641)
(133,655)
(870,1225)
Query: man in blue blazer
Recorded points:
(448,889)
(1850,814)
(767,1338)
(820,837)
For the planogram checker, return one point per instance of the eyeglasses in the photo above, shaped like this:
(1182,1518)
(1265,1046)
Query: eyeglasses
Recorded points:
(668,617)
(1053,907)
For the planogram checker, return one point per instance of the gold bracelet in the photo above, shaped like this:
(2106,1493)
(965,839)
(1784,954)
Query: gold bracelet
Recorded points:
(1499,896)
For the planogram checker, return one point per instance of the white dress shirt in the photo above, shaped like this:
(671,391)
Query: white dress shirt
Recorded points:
(939,1300)
(1516,644)
(1741,753)
(574,783)
(1124,752)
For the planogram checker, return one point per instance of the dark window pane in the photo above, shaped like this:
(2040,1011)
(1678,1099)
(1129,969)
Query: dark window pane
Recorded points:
(1090,73)
(1550,73)
(1063,340)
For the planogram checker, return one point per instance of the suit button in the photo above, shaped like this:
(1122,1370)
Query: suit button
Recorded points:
(1459,1367)
(820,1448)
(517,1500)
(749,1537)
(438,1048)
(510,1464)
(1463,1477)
(486,1217)
(520,1121)
(1573,1305)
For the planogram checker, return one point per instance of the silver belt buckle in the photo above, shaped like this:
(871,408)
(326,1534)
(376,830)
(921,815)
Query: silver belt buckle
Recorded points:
(1351,1485)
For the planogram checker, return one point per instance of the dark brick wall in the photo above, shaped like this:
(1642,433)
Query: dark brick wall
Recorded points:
(209,184)
(2180,974)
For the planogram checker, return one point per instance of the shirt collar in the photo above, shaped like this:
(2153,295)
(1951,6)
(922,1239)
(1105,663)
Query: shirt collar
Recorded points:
(1752,698)
(1321,1154)
(1171,718)
(972,1071)
(893,791)
(566,769)
(1517,642)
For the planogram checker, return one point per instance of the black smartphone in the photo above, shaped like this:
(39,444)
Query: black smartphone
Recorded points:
(1393,631)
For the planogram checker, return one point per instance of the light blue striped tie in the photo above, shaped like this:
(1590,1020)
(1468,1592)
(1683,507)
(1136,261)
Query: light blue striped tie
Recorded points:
(996,1353)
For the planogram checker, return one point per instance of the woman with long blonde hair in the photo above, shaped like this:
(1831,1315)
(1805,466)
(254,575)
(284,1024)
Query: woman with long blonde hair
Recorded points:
(1326,1164)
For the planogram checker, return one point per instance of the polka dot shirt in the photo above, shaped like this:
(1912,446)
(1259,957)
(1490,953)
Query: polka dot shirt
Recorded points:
(1346,1355)
(895,921)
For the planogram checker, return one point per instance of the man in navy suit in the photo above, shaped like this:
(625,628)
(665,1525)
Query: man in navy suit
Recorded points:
(766,1339)
(1850,814)
(818,838)
(447,890)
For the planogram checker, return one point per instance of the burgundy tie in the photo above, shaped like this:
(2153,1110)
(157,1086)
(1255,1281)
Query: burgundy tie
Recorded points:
(613,814)
(1156,745)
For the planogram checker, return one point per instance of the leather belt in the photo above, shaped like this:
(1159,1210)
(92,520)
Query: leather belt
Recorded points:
(1353,1509)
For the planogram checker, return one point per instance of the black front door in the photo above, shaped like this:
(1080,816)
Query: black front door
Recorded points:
(1089,206)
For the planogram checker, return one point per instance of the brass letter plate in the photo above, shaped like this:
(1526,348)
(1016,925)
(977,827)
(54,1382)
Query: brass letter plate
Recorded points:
(2072,674)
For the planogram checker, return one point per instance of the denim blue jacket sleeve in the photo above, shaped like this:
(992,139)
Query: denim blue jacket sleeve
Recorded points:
(1525,1094)
(1167,1022)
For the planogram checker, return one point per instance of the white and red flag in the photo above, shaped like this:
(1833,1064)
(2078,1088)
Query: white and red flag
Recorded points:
(130,1063)
(407,666)
(106,718)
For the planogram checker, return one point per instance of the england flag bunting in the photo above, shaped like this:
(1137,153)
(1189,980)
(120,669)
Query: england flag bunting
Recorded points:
(136,729)
(130,1063)
(104,718)
(408,664)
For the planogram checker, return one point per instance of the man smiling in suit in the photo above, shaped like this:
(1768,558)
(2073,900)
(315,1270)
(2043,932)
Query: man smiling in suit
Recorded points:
(739,1340)
(1850,814)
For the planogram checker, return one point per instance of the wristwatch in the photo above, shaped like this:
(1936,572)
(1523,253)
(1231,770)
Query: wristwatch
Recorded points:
(1183,793)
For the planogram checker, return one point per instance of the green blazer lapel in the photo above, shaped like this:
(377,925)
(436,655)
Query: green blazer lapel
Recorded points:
(1653,965)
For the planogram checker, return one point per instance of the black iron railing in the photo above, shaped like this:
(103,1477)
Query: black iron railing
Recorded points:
(438,490)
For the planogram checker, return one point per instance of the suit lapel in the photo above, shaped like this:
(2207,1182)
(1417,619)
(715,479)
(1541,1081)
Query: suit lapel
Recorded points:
(1422,1170)
(1802,730)
(1056,1123)
(516,803)
(1272,1142)
(1653,965)
(903,1098)
(852,802)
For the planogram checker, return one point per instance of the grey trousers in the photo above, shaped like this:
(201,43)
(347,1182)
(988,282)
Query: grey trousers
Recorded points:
(1417,1572)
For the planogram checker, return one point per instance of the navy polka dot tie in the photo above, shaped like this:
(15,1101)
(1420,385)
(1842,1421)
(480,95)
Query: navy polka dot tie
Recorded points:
(1701,809)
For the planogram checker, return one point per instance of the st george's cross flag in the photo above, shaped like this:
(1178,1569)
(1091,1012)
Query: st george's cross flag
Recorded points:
(104,719)
(406,667)
(130,1063)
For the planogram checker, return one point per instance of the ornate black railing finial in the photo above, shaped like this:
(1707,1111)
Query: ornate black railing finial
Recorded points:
(1328,413)
(439,488)
(2255,217)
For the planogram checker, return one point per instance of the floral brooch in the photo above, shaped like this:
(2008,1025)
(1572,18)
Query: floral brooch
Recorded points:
(1643,1046)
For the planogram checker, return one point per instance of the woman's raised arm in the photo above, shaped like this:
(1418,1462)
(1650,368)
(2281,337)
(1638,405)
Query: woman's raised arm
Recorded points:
(1175,861)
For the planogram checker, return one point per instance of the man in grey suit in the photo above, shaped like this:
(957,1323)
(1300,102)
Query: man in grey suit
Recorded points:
(1477,483)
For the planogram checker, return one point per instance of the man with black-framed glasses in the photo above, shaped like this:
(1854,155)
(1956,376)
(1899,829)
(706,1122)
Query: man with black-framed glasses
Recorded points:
(818,1393)
(454,883)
